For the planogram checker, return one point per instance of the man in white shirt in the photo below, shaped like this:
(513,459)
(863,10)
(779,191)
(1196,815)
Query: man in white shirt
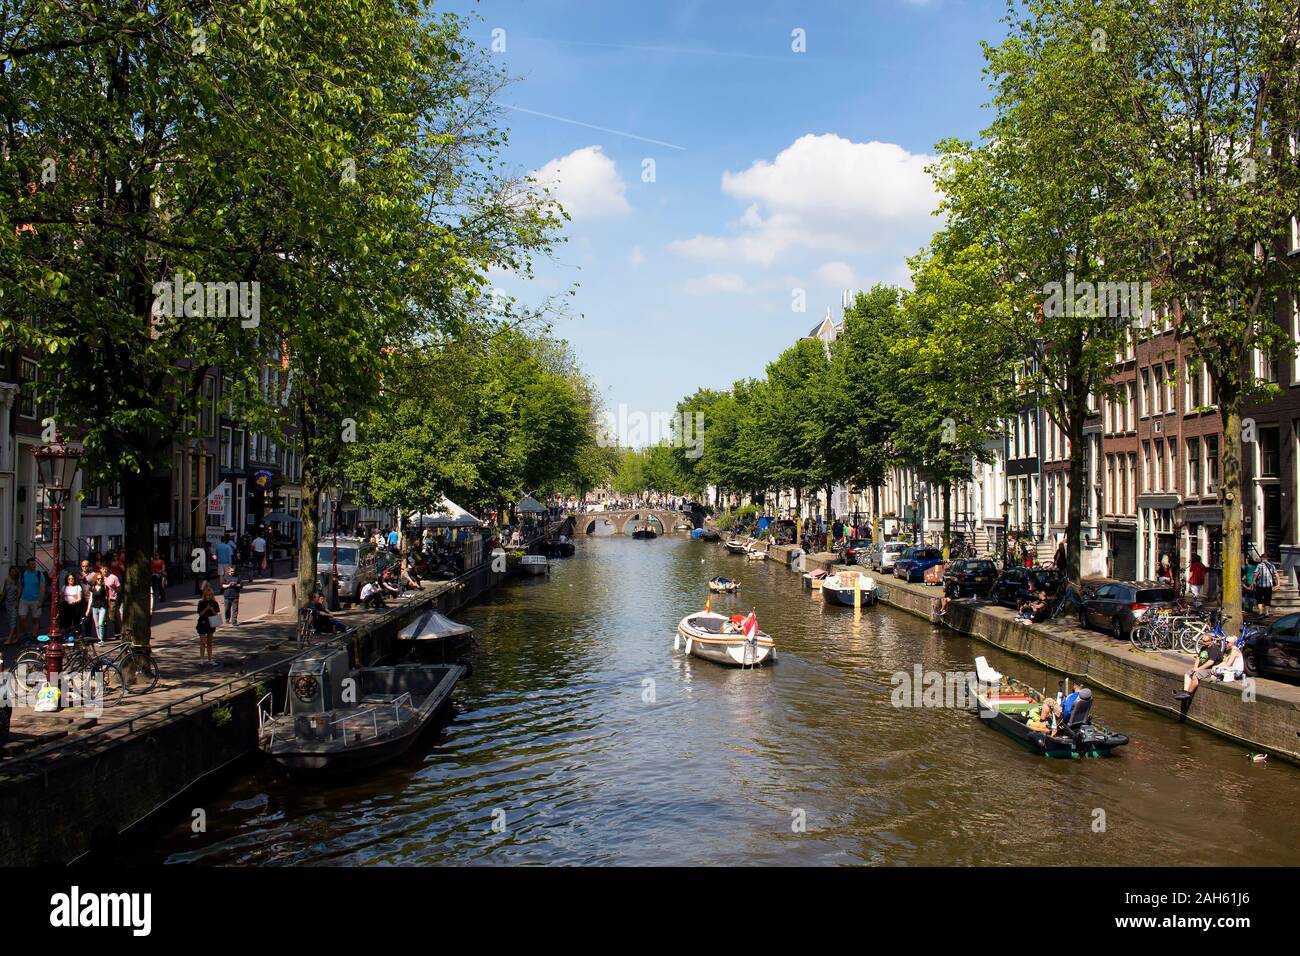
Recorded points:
(259,552)
(372,595)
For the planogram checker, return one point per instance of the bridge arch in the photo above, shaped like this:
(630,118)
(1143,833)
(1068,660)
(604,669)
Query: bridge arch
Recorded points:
(625,520)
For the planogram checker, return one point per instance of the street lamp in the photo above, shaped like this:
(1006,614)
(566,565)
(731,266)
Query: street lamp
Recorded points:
(56,464)
(334,525)
(1006,512)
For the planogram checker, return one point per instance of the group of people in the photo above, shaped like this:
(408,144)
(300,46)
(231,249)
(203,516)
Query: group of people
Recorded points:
(1050,716)
(89,604)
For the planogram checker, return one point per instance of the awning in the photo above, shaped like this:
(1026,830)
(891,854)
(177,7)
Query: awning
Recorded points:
(449,515)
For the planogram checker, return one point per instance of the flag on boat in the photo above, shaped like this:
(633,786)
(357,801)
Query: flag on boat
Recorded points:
(751,626)
(707,604)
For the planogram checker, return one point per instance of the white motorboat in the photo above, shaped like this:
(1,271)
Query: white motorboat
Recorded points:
(534,564)
(736,547)
(754,554)
(839,588)
(707,634)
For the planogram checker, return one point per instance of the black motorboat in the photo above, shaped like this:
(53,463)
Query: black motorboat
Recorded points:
(339,719)
(1005,703)
(644,532)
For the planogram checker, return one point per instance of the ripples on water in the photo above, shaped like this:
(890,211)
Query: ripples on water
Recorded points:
(554,735)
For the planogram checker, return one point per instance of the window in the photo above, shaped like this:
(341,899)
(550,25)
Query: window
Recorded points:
(1146,392)
(208,408)
(1211,464)
(1193,387)
(1193,467)
(1146,466)
(1130,420)
(27,378)
(1158,397)
(1268,453)
(1159,478)
(1171,388)
(1267,367)
(1130,485)
(1171,481)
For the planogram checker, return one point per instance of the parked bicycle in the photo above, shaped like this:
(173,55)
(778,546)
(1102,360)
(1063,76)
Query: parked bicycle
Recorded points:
(139,669)
(86,671)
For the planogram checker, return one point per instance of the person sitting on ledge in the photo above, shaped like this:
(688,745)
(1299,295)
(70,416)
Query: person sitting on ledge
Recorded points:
(1209,657)
(322,622)
(372,595)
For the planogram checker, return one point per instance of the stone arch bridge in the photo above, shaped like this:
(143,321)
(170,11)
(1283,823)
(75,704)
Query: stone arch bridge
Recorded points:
(663,520)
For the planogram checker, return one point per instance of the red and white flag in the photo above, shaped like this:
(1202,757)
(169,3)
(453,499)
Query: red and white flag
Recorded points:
(750,626)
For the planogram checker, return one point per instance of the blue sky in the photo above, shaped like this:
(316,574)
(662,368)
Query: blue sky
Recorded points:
(773,170)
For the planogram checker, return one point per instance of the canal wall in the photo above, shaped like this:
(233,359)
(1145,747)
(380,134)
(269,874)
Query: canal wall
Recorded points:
(56,808)
(1263,714)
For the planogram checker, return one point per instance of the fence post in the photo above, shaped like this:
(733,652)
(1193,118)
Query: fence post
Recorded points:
(274,592)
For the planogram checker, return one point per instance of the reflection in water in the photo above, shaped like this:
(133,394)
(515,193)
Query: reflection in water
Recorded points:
(593,742)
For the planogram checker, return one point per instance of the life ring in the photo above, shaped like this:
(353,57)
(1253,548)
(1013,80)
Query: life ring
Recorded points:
(305,687)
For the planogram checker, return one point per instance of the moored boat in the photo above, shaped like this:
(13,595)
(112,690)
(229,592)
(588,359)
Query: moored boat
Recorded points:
(736,547)
(339,719)
(644,532)
(715,637)
(721,585)
(432,626)
(1006,703)
(813,580)
(755,554)
(839,587)
(535,564)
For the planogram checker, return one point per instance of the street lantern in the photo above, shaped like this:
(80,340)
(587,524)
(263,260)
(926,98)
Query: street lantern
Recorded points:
(1006,514)
(56,463)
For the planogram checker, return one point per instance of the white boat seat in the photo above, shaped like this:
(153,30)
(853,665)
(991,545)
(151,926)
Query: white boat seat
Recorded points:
(986,674)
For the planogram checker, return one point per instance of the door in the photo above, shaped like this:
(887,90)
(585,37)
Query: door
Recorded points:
(1123,554)
(1272,520)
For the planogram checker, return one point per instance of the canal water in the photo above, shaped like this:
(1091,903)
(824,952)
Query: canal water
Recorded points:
(583,738)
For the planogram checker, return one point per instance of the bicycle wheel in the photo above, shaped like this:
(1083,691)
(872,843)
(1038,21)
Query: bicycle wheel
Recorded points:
(140,671)
(1189,636)
(1140,637)
(108,681)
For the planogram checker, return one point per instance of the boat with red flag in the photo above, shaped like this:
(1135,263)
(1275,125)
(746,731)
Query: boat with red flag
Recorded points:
(735,641)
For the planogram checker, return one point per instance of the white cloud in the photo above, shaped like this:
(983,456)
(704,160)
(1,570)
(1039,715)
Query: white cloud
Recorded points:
(715,282)
(837,273)
(825,192)
(586,182)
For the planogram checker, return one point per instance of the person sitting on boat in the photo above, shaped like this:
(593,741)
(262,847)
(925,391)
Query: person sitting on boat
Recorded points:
(1040,718)
(1067,705)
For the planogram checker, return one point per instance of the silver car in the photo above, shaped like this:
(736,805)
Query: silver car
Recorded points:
(890,552)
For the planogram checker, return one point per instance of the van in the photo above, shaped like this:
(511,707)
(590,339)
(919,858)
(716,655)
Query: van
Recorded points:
(356,564)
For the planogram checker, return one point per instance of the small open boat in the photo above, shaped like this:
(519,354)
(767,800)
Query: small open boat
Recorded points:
(533,564)
(340,719)
(736,547)
(723,585)
(645,532)
(755,554)
(813,580)
(705,637)
(838,588)
(683,526)
(1005,703)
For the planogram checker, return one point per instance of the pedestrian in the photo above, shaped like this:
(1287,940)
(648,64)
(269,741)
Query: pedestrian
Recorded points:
(259,552)
(1197,572)
(1265,581)
(158,576)
(72,610)
(231,587)
(114,585)
(224,551)
(9,591)
(1059,561)
(209,618)
(31,594)
(97,604)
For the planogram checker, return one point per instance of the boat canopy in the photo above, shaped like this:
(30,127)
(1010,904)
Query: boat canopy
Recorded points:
(432,626)
(530,506)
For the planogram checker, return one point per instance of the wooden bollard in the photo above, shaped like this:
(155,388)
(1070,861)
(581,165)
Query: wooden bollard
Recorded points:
(274,592)
(293,591)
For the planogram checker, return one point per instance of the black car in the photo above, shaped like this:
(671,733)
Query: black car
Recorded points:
(857,548)
(1118,607)
(1015,586)
(1276,651)
(969,576)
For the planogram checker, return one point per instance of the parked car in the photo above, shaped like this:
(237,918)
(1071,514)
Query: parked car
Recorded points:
(1118,607)
(356,561)
(859,551)
(969,576)
(1014,586)
(915,562)
(889,554)
(1275,651)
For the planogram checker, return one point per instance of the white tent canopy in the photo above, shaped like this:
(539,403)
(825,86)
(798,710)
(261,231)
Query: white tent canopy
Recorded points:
(530,506)
(449,515)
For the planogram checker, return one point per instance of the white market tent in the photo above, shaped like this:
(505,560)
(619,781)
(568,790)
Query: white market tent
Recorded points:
(449,515)
(530,506)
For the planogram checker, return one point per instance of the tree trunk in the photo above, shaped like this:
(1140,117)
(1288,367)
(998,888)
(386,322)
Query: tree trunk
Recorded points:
(137,506)
(309,514)
(1231,497)
(830,515)
(1077,488)
(876,524)
(946,489)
